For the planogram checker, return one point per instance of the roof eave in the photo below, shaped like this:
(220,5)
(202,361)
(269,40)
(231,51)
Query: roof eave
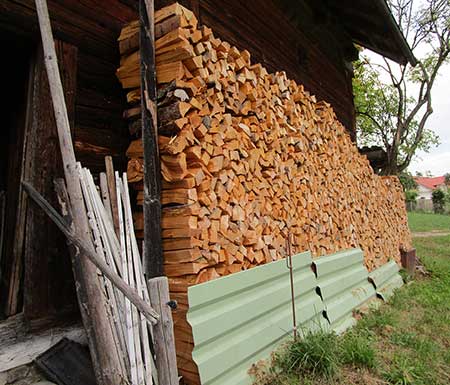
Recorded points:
(406,50)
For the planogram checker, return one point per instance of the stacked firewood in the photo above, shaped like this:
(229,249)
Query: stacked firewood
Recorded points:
(248,157)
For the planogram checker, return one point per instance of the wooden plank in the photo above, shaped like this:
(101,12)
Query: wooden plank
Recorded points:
(153,257)
(20,347)
(106,360)
(43,262)
(163,337)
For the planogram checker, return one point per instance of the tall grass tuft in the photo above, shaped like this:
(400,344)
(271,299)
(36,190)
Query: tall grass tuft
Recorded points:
(357,350)
(314,354)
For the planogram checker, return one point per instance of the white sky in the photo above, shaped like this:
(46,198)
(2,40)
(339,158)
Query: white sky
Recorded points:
(438,159)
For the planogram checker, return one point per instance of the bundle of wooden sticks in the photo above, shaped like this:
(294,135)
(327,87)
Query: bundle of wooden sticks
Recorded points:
(248,157)
(110,219)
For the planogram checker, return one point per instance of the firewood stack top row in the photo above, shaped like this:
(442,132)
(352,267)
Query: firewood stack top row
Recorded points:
(248,157)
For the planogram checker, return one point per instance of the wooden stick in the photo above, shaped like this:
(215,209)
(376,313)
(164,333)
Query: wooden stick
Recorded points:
(140,279)
(132,281)
(104,188)
(106,361)
(128,316)
(94,220)
(112,192)
(130,293)
(105,226)
(98,220)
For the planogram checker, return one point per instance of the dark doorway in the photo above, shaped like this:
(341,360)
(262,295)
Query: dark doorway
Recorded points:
(16,70)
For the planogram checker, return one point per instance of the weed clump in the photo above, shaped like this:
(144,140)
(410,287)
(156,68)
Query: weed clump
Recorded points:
(317,355)
(314,354)
(357,350)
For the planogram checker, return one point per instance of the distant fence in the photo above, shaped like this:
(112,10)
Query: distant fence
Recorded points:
(420,205)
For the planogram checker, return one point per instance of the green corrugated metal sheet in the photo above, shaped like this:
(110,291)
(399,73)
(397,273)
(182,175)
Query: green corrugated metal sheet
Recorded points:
(386,279)
(343,285)
(239,319)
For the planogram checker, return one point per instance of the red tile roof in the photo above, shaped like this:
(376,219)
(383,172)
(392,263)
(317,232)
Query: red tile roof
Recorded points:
(430,183)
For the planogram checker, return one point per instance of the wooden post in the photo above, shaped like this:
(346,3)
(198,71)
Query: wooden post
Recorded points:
(106,360)
(152,250)
(163,336)
(408,259)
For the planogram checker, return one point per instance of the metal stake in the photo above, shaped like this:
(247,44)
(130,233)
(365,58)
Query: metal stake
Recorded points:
(291,276)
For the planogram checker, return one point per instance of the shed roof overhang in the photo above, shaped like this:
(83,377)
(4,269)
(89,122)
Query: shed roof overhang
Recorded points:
(371,24)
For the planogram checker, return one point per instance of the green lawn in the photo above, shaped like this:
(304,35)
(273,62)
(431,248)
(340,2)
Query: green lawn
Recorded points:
(404,342)
(421,222)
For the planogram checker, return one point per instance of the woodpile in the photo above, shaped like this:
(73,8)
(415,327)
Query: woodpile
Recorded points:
(248,157)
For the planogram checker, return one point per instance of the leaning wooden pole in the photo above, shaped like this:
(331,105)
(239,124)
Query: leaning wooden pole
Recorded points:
(153,255)
(130,293)
(106,359)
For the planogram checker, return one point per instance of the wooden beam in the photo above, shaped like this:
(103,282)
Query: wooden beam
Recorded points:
(107,362)
(153,256)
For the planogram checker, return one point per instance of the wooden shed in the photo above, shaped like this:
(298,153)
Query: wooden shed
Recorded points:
(313,41)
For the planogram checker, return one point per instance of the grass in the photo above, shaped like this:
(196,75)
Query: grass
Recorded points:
(424,222)
(404,342)
(315,354)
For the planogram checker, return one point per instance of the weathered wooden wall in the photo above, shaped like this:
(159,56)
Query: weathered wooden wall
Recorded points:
(87,32)
(287,36)
(92,27)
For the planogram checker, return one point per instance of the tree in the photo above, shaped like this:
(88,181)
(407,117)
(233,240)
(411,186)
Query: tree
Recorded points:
(393,113)
(447,178)
(411,196)
(438,198)
(407,181)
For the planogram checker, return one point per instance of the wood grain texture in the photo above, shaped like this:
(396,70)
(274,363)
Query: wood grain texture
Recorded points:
(45,253)
(311,51)
(163,336)
(152,255)
(20,347)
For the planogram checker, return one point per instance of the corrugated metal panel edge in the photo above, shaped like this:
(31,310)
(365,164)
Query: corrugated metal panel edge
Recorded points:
(386,279)
(343,285)
(238,319)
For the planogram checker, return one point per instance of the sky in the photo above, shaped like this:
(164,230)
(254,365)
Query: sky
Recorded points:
(438,159)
